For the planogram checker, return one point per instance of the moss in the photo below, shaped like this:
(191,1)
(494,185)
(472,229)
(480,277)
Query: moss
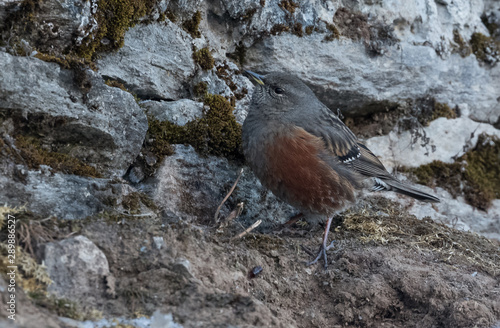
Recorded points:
(309,29)
(34,155)
(476,174)
(425,110)
(171,16)
(200,89)
(288,5)
(397,227)
(223,73)
(216,133)
(65,308)
(297,30)
(191,26)
(132,203)
(461,46)
(443,110)
(115,84)
(485,48)
(334,33)
(66,61)
(114,18)
(31,276)
(204,58)
(278,29)
(239,54)
(354,25)
(247,16)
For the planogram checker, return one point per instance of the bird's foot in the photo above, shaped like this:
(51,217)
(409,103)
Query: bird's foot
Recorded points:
(321,253)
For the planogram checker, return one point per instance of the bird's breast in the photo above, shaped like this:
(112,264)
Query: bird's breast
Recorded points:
(287,161)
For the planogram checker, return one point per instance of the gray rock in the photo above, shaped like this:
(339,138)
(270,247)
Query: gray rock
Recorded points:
(55,26)
(54,194)
(179,112)
(77,268)
(345,77)
(154,63)
(105,128)
(448,137)
(192,187)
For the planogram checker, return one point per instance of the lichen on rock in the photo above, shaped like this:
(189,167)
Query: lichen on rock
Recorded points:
(475,175)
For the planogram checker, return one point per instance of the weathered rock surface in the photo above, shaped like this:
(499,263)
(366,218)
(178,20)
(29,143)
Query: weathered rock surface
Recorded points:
(192,187)
(344,76)
(78,269)
(387,268)
(448,139)
(56,24)
(105,127)
(178,112)
(155,62)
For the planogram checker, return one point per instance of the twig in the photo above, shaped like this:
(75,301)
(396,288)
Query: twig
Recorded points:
(234,214)
(253,226)
(216,216)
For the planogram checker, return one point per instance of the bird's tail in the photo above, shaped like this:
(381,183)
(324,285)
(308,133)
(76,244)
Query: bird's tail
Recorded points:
(404,189)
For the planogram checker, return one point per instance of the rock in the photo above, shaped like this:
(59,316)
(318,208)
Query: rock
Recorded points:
(104,128)
(449,138)
(53,25)
(48,193)
(27,313)
(160,320)
(192,187)
(453,212)
(344,76)
(77,268)
(154,63)
(178,112)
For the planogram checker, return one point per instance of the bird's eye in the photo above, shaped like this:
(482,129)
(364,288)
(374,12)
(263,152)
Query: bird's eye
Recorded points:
(278,90)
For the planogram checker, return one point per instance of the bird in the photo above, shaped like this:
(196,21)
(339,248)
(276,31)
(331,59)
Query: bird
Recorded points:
(303,152)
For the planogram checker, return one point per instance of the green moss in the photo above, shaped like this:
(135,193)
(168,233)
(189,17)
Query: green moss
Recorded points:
(461,46)
(476,174)
(297,30)
(114,18)
(200,89)
(66,61)
(443,110)
(239,54)
(288,5)
(278,29)
(115,84)
(34,155)
(485,48)
(334,33)
(171,16)
(216,133)
(191,26)
(204,58)
(132,202)
(65,308)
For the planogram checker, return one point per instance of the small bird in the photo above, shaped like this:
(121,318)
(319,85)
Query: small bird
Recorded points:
(303,152)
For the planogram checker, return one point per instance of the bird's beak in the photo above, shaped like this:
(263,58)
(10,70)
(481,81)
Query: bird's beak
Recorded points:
(256,77)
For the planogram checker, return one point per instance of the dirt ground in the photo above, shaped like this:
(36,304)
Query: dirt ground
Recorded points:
(388,269)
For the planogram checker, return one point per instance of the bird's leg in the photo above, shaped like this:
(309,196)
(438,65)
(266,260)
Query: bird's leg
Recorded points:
(323,247)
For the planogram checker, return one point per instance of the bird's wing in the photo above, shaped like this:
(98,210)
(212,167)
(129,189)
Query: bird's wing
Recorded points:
(351,157)
(345,146)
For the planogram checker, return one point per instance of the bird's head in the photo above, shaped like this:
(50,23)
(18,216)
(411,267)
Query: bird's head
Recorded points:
(280,93)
